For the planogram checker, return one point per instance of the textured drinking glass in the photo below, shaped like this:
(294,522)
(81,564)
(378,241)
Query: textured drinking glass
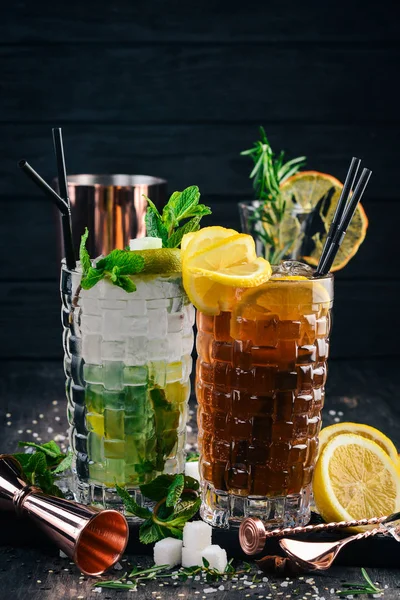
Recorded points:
(292,238)
(127,360)
(260,387)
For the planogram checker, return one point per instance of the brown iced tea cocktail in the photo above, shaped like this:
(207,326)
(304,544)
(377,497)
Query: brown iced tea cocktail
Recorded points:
(261,374)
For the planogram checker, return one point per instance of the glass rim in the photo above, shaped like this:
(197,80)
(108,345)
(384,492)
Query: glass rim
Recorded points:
(114,180)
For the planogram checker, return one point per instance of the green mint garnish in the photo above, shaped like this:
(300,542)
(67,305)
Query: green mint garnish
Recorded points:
(43,464)
(180,207)
(177,502)
(116,266)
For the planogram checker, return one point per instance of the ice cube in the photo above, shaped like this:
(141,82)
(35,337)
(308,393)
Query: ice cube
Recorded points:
(216,556)
(91,348)
(158,349)
(90,306)
(158,322)
(136,350)
(175,322)
(293,267)
(197,535)
(113,325)
(191,558)
(91,324)
(135,326)
(112,350)
(135,308)
(192,470)
(168,552)
(145,243)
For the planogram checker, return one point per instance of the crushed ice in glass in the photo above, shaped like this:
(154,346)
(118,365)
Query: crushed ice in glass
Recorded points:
(293,267)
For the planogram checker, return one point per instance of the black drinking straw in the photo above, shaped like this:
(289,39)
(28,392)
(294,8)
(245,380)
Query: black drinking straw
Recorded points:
(340,208)
(61,169)
(344,223)
(62,207)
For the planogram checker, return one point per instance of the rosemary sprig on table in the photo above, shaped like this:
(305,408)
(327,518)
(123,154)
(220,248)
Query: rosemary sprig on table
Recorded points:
(131,580)
(356,589)
(268,174)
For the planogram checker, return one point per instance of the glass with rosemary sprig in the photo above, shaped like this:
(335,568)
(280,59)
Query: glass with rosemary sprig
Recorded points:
(276,222)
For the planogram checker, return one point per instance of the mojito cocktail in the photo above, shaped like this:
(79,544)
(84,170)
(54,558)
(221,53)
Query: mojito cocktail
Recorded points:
(127,362)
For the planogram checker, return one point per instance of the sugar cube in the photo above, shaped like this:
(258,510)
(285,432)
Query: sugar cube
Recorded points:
(216,556)
(192,470)
(191,558)
(168,552)
(197,535)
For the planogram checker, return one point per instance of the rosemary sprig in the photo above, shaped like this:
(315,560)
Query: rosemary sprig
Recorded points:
(268,174)
(130,581)
(356,589)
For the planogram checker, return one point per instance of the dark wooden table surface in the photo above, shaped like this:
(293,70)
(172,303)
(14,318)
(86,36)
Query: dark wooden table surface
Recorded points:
(33,408)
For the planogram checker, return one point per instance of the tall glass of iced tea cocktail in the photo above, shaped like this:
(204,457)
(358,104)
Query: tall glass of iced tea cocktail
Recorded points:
(261,376)
(261,373)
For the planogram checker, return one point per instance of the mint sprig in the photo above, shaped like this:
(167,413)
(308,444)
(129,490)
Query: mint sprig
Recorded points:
(41,466)
(169,225)
(177,501)
(116,266)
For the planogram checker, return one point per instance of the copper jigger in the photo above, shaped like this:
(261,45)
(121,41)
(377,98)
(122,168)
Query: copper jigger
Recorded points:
(94,539)
(112,207)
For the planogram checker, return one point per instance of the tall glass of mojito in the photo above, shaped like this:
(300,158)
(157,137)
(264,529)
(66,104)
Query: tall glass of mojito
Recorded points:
(262,343)
(128,338)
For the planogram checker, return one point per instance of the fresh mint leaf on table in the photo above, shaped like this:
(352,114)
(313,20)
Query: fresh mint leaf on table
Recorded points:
(168,226)
(177,501)
(357,589)
(41,466)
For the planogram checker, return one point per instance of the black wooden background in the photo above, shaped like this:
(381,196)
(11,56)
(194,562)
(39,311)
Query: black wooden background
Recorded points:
(177,89)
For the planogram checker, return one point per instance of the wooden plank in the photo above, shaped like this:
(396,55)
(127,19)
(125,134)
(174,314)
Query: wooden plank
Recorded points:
(366,319)
(206,155)
(177,21)
(197,83)
(28,238)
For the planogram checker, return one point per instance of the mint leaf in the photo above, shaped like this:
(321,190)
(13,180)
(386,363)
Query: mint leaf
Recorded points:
(65,464)
(175,490)
(130,504)
(158,488)
(92,277)
(121,262)
(184,511)
(150,532)
(191,483)
(126,283)
(186,202)
(84,257)
(166,422)
(154,223)
(206,563)
(176,238)
(192,457)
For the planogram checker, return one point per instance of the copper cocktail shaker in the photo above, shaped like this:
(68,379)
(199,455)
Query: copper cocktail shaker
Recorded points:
(112,207)
(94,539)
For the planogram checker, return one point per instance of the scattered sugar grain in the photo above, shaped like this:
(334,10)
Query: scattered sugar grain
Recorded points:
(340,413)
(117,567)
(9,423)
(20,431)
(50,430)
(8,415)
(34,422)
(56,418)
(284,584)
(41,416)
(54,402)
(35,435)
(39,581)
(337,420)
(62,554)
(332,413)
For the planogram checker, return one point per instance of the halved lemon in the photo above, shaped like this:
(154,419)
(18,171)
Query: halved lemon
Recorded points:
(355,478)
(366,431)
(307,189)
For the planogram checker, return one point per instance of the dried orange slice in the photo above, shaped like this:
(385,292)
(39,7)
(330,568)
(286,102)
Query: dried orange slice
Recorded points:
(308,189)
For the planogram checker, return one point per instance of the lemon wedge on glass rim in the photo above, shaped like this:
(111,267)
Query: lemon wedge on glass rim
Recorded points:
(215,261)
